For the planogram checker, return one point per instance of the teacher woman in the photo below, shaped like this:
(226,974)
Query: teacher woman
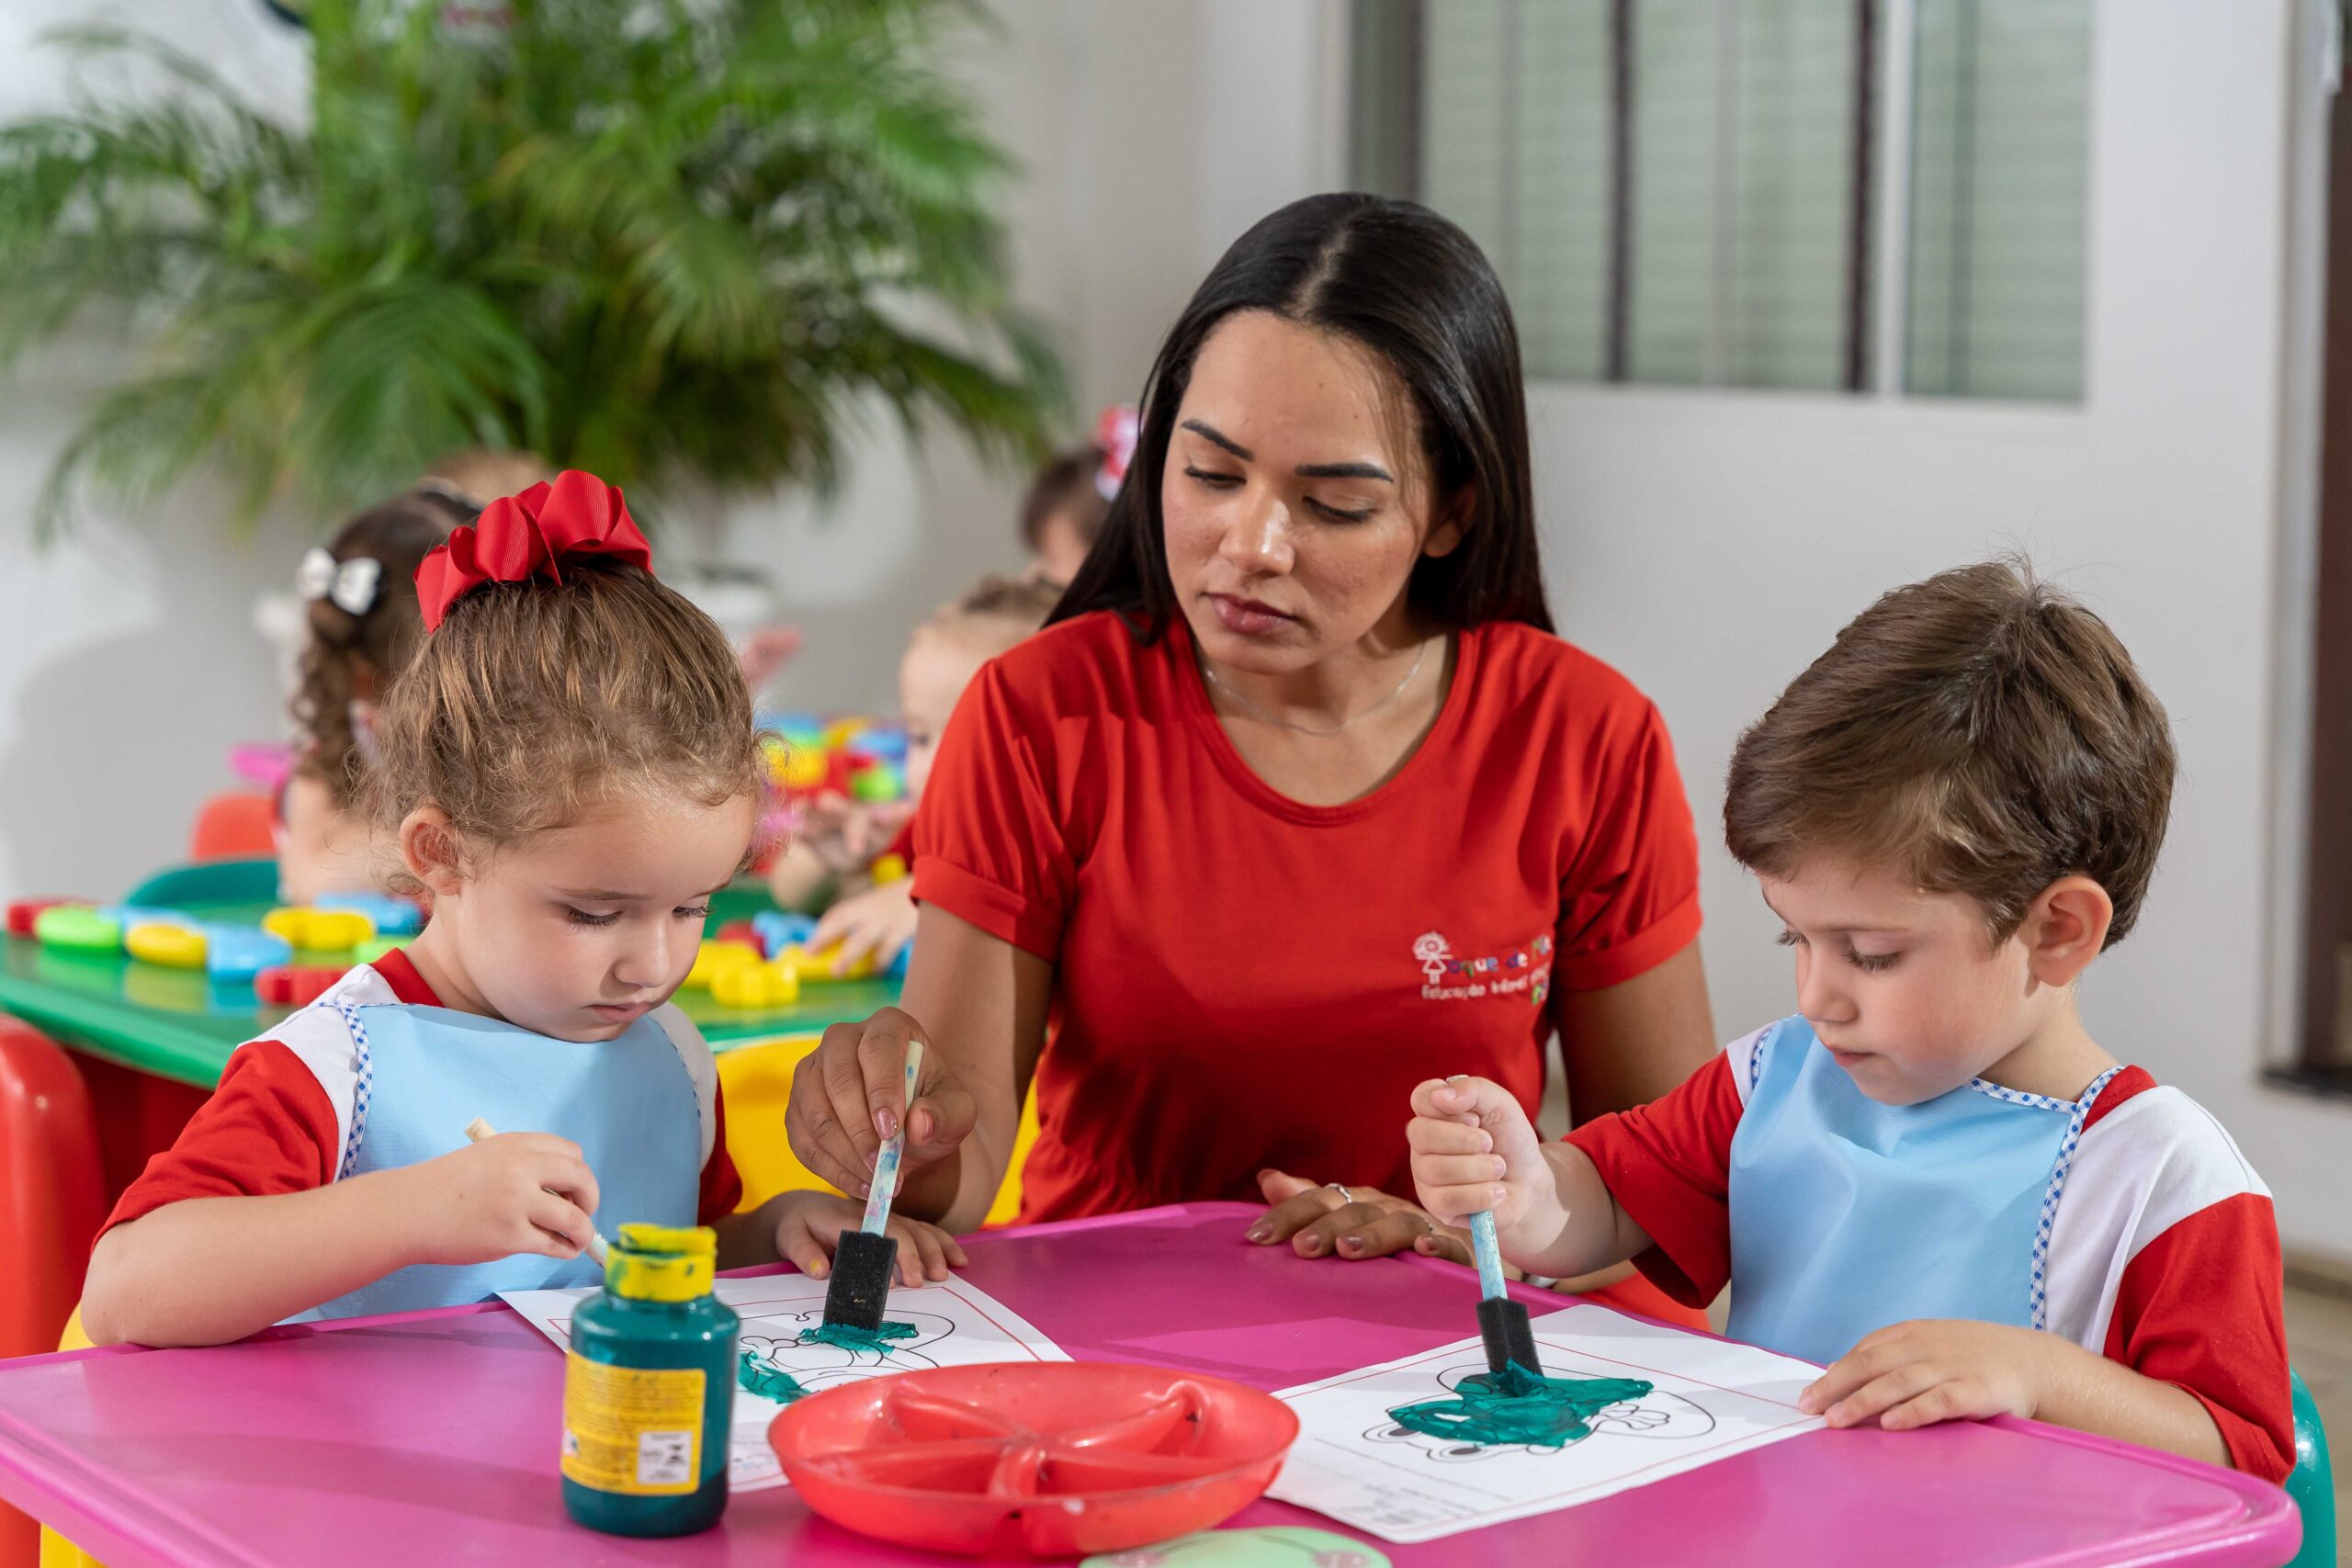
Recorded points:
(1296,802)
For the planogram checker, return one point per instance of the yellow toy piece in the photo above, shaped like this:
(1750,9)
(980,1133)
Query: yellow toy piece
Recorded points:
(889,869)
(842,731)
(804,768)
(816,968)
(175,947)
(755,986)
(320,930)
(715,958)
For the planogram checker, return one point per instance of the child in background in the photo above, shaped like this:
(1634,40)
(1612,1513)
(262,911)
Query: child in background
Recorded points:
(1071,495)
(569,767)
(359,600)
(1931,1178)
(878,920)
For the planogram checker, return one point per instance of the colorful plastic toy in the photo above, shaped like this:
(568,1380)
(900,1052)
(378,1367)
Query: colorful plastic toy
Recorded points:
(713,957)
(173,945)
(23,912)
(777,930)
(77,927)
(130,916)
(376,947)
(860,758)
(295,985)
(743,931)
(887,869)
(320,930)
(754,985)
(389,916)
(1054,1460)
(816,968)
(897,970)
(240,953)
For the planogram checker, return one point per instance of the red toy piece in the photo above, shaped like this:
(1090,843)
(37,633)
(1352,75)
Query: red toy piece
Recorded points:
(295,985)
(743,931)
(23,912)
(1055,1460)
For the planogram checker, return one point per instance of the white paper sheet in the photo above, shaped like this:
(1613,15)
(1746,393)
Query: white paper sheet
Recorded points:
(957,1324)
(1710,1400)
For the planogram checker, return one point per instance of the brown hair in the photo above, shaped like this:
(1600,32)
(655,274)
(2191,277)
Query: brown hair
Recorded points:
(535,700)
(1067,485)
(1017,604)
(1980,729)
(344,649)
(479,475)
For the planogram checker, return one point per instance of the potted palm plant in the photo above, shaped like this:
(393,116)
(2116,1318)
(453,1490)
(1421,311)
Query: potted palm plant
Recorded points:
(680,242)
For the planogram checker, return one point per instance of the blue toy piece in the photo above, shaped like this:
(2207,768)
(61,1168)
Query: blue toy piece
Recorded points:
(778,929)
(883,743)
(129,915)
(2310,1483)
(897,970)
(240,953)
(390,915)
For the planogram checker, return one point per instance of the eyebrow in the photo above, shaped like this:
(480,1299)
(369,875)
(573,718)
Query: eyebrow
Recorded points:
(1304,470)
(1841,930)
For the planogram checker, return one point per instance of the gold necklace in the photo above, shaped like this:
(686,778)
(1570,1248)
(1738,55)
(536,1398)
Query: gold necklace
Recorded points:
(1211,676)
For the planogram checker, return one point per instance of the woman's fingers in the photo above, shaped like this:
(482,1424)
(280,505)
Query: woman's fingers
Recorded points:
(1392,1231)
(1444,1242)
(1320,1236)
(1295,1201)
(827,1117)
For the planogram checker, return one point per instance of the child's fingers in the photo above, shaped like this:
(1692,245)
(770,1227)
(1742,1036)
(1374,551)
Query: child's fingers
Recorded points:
(920,1248)
(1430,1135)
(1947,1400)
(954,1250)
(563,1229)
(1457,1170)
(799,1245)
(573,1179)
(1883,1393)
(1452,1205)
(857,943)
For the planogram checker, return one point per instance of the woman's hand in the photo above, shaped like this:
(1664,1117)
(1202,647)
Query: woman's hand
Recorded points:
(847,1097)
(877,924)
(1319,1223)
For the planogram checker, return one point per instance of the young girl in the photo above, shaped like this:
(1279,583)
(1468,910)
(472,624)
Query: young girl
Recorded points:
(877,920)
(1071,496)
(360,603)
(568,768)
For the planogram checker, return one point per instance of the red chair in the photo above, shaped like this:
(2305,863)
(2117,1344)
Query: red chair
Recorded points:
(234,827)
(51,1206)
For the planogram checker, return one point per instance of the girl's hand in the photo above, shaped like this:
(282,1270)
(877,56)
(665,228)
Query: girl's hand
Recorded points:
(809,1227)
(514,1192)
(843,835)
(1474,1148)
(1367,1223)
(878,922)
(1929,1370)
(846,1099)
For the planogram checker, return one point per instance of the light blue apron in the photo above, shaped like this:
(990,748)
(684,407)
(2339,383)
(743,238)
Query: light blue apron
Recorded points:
(1848,1215)
(425,1072)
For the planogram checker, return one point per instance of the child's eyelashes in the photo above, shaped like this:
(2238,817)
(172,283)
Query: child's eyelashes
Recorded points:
(1867,963)
(692,911)
(1789,938)
(583,917)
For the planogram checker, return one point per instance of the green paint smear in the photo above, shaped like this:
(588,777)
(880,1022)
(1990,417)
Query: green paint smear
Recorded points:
(1516,1406)
(844,1337)
(767,1380)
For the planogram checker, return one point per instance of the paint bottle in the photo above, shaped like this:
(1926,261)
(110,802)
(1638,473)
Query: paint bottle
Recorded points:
(649,1389)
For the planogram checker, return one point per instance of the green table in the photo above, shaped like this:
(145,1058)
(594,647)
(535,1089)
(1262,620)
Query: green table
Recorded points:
(179,1024)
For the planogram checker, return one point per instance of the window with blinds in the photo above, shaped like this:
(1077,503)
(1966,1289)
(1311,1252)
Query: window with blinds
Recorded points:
(1688,191)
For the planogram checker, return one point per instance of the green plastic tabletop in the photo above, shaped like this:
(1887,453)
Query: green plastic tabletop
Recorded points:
(181,1024)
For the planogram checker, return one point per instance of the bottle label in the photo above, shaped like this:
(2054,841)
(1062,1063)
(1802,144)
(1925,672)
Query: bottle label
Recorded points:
(632,1431)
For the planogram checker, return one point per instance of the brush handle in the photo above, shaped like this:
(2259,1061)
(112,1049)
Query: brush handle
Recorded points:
(1489,1254)
(477,1129)
(886,1164)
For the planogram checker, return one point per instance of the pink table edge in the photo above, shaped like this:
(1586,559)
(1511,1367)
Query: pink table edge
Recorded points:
(71,1498)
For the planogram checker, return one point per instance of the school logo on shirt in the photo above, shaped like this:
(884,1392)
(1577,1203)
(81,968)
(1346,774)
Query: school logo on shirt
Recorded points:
(1446,977)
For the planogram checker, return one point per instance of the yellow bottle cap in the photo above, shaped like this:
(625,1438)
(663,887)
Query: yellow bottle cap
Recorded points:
(662,1263)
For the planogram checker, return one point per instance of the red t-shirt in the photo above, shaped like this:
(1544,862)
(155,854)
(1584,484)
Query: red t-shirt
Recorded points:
(2162,1254)
(277,1122)
(1243,981)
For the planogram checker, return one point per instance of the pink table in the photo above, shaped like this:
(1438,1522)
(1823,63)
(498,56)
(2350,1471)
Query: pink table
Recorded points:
(430,1438)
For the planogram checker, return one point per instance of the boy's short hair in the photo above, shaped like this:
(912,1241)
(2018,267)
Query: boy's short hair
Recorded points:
(1981,730)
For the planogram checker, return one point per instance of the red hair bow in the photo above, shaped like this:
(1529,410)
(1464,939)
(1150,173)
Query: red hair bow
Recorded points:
(527,536)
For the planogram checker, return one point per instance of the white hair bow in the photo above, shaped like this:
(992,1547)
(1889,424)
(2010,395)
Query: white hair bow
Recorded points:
(351,583)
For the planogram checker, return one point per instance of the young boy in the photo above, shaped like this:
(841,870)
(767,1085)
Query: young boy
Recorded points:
(1932,1179)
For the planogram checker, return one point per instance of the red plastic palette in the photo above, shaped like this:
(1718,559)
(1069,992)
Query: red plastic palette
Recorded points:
(1054,1460)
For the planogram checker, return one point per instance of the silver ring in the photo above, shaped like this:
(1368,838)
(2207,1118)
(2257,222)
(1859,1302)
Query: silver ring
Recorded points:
(1341,1191)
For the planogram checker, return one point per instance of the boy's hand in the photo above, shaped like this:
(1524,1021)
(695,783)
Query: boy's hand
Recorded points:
(1474,1148)
(514,1192)
(875,923)
(808,1226)
(1931,1369)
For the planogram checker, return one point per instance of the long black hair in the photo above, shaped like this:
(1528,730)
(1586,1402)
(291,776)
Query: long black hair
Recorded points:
(1414,289)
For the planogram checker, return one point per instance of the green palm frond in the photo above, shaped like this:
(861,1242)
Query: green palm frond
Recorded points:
(689,240)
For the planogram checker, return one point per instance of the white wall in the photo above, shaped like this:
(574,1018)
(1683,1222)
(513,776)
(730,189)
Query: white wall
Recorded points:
(1712,545)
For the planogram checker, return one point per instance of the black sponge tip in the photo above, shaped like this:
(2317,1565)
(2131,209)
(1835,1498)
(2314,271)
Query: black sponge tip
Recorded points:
(1502,1322)
(862,1264)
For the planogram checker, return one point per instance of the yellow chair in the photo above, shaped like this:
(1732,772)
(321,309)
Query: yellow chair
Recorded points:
(56,1551)
(758,1084)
